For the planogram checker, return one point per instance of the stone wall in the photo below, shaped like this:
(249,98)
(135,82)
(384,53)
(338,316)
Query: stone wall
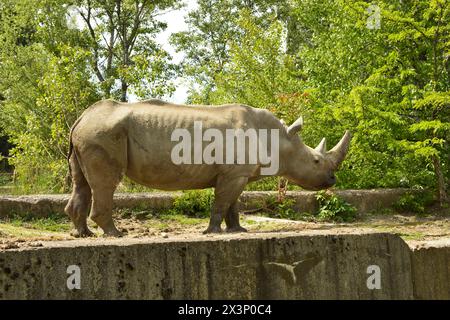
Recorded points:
(42,205)
(314,265)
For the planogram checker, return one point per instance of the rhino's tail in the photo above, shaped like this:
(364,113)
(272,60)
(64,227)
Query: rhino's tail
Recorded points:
(69,154)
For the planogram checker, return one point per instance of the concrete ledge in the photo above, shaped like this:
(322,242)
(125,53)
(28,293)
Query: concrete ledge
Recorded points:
(316,265)
(43,205)
(431,270)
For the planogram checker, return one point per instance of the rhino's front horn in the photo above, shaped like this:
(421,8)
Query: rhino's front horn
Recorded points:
(338,153)
(322,146)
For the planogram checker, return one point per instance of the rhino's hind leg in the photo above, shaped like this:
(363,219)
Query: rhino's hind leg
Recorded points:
(226,193)
(101,212)
(232,219)
(78,206)
(103,175)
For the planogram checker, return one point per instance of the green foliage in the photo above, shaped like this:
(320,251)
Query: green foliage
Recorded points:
(259,73)
(414,202)
(212,29)
(39,127)
(5,179)
(284,209)
(334,208)
(194,203)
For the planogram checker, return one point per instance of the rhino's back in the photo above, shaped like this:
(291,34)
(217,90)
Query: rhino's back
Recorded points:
(162,115)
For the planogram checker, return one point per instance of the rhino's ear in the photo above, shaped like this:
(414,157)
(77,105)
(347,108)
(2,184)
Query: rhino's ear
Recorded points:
(295,127)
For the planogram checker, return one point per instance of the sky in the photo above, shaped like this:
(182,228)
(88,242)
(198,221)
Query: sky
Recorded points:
(175,23)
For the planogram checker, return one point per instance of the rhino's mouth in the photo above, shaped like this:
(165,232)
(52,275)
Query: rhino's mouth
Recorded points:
(319,187)
(322,187)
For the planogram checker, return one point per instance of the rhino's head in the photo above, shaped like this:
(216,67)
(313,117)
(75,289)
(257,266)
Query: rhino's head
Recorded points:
(312,168)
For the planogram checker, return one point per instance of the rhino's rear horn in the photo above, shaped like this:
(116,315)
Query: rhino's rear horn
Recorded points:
(338,153)
(322,146)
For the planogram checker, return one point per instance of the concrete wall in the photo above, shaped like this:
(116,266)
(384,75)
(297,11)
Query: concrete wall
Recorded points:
(42,205)
(431,270)
(255,266)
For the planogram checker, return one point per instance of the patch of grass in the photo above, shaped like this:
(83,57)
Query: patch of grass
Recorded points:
(249,221)
(52,223)
(28,226)
(169,221)
(140,212)
(8,230)
(411,235)
(182,219)
(157,224)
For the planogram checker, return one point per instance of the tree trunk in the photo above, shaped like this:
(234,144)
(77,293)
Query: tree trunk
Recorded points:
(442,193)
(124,89)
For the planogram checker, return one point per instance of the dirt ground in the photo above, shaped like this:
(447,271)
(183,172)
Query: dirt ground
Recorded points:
(412,228)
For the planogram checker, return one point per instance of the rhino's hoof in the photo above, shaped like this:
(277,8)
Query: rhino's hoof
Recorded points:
(82,233)
(213,230)
(236,229)
(113,233)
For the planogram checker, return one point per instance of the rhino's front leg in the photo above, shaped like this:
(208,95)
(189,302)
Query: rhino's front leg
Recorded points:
(226,193)
(232,219)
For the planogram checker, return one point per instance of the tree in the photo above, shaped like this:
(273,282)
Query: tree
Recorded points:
(45,83)
(121,36)
(212,28)
(395,95)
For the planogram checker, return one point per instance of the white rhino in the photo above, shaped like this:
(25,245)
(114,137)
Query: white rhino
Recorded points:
(111,139)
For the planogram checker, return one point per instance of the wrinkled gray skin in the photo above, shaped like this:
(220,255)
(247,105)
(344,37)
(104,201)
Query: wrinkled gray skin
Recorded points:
(113,139)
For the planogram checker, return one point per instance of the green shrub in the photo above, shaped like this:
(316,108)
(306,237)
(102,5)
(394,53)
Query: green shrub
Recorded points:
(194,203)
(334,208)
(282,209)
(5,179)
(414,202)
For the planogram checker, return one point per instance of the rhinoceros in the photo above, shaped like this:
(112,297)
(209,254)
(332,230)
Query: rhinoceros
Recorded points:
(112,139)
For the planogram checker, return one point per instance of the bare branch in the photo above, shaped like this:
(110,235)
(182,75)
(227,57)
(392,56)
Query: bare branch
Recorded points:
(87,19)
